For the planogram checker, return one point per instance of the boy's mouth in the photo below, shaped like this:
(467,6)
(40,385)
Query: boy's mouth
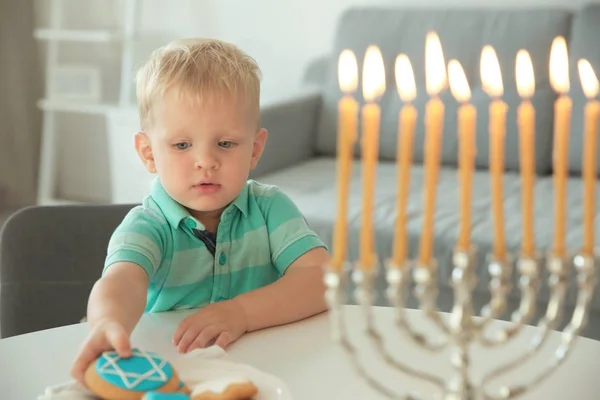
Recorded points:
(207,187)
(205,182)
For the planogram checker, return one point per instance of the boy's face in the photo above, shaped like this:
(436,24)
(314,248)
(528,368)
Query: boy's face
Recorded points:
(202,154)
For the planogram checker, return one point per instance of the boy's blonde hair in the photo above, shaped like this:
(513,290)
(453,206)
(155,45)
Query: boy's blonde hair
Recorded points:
(197,68)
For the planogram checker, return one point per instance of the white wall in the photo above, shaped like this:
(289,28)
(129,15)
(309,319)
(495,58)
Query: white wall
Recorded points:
(283,36)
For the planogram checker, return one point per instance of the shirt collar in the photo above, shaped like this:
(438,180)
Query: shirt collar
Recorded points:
(241,201)
(175,212)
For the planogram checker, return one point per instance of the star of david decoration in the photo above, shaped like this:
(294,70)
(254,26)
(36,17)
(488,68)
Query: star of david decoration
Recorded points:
(141,367)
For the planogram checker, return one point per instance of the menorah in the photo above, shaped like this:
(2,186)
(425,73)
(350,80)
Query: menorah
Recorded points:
(463,327)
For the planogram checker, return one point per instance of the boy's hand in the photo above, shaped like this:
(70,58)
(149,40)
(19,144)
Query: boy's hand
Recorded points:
(223,322)
(106,335)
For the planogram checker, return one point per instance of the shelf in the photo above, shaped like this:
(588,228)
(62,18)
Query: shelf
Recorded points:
(76,107)
(90,104)
(76,35)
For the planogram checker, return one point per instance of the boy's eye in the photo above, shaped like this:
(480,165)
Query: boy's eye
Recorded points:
(182,146)
(226,144)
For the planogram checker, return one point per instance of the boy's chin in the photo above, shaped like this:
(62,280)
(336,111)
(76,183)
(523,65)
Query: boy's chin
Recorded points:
(205,206)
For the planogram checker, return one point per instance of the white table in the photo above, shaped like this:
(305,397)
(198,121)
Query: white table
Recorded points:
(301,354)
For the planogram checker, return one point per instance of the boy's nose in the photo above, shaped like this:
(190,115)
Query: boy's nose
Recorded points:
(206,160)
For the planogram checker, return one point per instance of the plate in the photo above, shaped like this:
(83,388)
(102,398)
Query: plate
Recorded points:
(269,386)
(194,371)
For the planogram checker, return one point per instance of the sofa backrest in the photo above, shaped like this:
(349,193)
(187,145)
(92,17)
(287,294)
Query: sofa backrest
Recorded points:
(463,33)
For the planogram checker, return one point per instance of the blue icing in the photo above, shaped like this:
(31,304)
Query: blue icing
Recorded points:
(135,373)
(166,396)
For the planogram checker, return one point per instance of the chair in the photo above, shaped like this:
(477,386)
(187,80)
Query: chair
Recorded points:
(50,257)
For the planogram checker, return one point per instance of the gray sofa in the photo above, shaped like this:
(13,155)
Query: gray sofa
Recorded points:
(48,285)
(463,33)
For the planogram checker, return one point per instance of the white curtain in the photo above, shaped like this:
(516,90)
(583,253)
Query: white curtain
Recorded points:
(20,88)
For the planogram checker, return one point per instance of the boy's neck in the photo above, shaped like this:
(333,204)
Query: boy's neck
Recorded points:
(210,219)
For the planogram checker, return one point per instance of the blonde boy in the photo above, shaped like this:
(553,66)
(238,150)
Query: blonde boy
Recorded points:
(205,237)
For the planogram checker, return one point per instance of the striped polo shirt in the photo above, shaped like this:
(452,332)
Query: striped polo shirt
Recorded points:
(259,235)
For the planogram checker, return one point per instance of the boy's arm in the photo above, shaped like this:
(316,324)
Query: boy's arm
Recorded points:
(116,303)
(299,294)
(134,253)
(120,296)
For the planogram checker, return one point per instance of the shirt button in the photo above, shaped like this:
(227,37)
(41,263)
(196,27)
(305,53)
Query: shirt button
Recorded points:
(222,258)
(190,223)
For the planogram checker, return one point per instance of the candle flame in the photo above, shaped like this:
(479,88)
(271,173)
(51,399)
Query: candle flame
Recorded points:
(459,86)
(524,74)
(348,72)
(435,67)
(559,65)
(405,79)
(491,77)
(589,81)
(373,77)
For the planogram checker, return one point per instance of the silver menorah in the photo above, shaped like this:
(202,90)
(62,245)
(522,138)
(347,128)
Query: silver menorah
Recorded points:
(462,328)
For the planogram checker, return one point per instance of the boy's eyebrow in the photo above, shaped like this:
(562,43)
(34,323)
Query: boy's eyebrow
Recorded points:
(229,129)
(231,132)
(184,133)
(169,134)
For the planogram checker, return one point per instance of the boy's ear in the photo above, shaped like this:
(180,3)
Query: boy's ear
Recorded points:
(144,150)
(260,139)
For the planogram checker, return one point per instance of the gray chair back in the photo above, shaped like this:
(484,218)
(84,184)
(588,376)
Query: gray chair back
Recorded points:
(50,257)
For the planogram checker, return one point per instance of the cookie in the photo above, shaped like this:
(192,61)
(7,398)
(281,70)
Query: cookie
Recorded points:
(114,378)
(225,389)
(182,388)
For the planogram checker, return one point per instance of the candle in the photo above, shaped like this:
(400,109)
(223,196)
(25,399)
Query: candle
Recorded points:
(435,76)
(373,80)
(492,85)
(559,80)
(589,83)
(526,125)
(466,135)
(405,82)
(347,133)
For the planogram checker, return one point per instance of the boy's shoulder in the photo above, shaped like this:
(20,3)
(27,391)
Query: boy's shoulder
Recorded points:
(146,213)
(260,189)
(264,194)
(273,203)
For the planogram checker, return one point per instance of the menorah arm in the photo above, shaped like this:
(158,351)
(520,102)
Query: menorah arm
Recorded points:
(587,282)
(398,277)
(500,286)
(558,283)
(377,341)
(426,291)
(333,280)
(370,379)
(364,295)
(545,327)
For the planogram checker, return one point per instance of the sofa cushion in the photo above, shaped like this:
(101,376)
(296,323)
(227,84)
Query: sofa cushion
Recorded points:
(586,30)
(312,187)
(463,33)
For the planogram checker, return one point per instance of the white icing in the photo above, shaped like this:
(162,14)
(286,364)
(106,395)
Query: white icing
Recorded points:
(217,385)
(131,379)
